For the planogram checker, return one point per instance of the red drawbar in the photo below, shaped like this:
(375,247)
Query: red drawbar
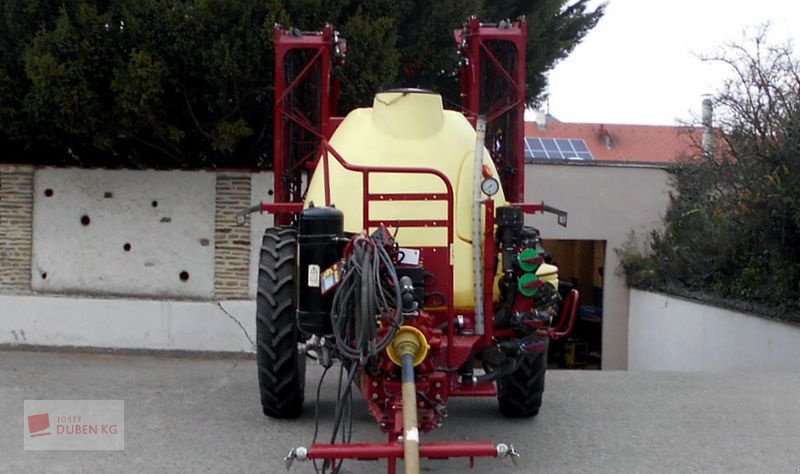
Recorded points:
(373,451)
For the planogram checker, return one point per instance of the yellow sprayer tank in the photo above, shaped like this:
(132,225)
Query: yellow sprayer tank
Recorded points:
(408,128)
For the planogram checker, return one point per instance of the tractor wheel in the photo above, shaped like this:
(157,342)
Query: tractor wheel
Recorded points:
(520,393)
(281,368)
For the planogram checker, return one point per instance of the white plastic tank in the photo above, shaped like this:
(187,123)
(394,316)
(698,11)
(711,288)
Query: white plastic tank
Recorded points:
(408,128)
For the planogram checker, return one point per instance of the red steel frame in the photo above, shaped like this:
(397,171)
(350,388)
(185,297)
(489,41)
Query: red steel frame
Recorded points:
(303,69)
(392,451)
(368,197)
(493,83)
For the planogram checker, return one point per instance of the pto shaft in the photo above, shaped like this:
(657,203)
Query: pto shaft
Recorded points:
(410,346)
(410,430)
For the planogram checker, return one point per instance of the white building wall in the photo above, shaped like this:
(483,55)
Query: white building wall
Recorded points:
(670,333)
(84,220)
(604,203)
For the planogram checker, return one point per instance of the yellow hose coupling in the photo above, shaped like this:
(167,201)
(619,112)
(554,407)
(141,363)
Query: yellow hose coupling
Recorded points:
(408,340)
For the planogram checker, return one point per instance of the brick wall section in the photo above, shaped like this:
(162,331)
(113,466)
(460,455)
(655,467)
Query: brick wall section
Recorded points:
(231,242)
(16,224)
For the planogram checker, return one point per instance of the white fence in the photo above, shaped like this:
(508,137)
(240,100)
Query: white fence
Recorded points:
(226,326)
(674,334)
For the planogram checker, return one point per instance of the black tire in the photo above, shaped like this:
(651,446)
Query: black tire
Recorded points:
(281,369)
(519,393)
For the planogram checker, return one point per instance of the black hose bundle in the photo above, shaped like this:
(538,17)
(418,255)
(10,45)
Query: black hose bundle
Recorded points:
(369,289)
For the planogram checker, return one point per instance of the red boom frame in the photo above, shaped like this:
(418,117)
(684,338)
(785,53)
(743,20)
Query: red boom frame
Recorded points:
(306,95)
(493,83)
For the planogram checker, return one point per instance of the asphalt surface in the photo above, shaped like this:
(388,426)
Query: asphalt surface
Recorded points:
(202,415)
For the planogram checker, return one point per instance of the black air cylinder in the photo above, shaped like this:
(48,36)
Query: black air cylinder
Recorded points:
(319,248)
(509,220)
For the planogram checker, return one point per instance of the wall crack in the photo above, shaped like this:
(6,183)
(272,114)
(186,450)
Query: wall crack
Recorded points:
(235,320)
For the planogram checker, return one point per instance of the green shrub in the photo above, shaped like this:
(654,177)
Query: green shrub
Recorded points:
(732,229)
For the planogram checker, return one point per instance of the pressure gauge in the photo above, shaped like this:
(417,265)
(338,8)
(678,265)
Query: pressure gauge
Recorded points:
(490,186)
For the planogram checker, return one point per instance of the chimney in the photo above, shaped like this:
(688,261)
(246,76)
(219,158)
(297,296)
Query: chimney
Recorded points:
(541,120)
(605,135)
(708,128)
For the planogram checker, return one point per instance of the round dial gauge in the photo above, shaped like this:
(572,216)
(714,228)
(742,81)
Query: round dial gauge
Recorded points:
(490,186)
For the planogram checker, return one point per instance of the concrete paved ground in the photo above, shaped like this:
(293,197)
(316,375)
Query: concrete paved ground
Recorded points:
(201,415)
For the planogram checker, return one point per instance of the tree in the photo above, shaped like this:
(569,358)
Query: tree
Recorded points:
(188,83)
(158,83)
(18,25)
(732,228)
(425,39)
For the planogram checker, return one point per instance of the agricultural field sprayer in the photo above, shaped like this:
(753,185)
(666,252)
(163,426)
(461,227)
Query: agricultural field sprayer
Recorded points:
(400,251)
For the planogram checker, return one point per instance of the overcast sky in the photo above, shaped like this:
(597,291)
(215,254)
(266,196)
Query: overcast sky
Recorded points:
(640,65)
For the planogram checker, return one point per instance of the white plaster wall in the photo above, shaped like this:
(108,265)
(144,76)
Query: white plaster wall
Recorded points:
(261,186)
(670,333)
(604,203)
(128,324)
(176,235)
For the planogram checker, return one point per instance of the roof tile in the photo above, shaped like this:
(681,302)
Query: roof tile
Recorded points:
(624,143)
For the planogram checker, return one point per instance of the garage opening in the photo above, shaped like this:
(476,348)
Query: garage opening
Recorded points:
(580,266)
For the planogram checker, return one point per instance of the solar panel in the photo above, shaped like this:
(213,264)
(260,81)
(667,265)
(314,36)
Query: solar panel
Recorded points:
(528,151)
(580,145)
(564,145)
(557,149)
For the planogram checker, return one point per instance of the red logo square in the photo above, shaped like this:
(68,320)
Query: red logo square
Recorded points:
(37,423)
